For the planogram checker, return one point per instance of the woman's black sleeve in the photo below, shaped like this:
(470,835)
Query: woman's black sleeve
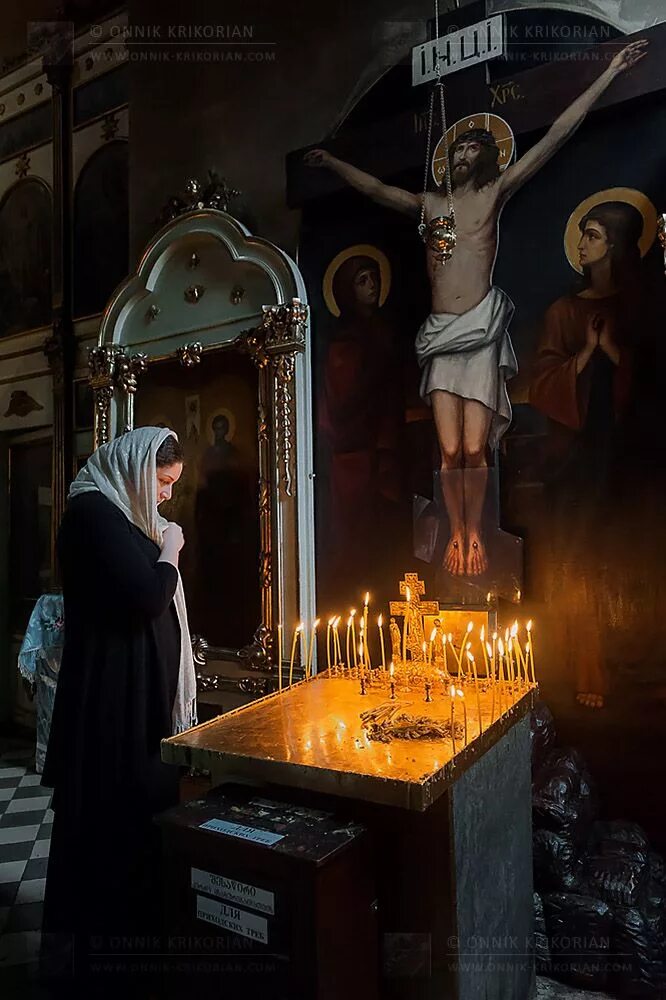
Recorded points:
(121,565)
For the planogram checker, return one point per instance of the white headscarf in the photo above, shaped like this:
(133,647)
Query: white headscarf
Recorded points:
(125,471)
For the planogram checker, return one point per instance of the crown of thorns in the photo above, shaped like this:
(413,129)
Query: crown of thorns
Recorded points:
(481,135)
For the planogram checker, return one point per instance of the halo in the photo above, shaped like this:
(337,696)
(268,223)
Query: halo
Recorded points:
(222,412)
(358,250)
(491,123)
(628,195)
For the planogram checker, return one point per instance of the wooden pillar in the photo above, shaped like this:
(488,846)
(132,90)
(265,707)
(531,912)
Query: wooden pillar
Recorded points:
(60,348)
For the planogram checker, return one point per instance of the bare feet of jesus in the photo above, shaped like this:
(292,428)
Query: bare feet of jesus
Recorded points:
(590,700)
(453,557)
(477,562)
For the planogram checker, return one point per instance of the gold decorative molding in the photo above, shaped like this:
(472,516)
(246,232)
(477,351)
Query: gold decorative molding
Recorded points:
(128,369)
(215,193)
(102,365)
(284,328)
(110,125)
(190,354)
(22,168)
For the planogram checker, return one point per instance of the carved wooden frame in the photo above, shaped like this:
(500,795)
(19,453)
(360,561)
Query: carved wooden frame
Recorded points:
(278,343)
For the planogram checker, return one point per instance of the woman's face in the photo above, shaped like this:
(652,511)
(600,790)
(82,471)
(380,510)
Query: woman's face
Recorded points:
(167,475)
(366,287)
(593,245)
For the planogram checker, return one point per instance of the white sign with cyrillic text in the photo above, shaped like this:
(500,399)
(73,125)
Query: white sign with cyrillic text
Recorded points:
(468,46)
(243,832)
(235,892)
(231,918)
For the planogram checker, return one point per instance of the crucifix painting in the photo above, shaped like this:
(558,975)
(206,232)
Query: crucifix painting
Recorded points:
(463,348)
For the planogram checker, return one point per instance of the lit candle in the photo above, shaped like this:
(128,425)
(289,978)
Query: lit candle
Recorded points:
(501,672)
(279,652)
(380,622)
(484,648)
(365,630)
(329,635)
(461,695)
(336,642)
(476,690)
(433,636)
(299,629)
(353,636)
(424,652)
(446,658)
(492,681)
(392,682)
(530,644)
(408,600)
(361,653)
(313,639)
(520,659)
(452,693)
(349,632)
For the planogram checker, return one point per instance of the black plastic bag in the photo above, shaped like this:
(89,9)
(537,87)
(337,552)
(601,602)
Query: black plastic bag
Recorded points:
(557,865)
(634,970)
(618,874)
(542,733)
(610,832)
(579,932)
(563,798)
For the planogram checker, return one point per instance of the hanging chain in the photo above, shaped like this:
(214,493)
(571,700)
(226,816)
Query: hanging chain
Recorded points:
(447,165)
(431,109)
(422,225)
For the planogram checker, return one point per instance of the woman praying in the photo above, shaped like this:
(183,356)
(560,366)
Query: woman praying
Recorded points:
(127,681)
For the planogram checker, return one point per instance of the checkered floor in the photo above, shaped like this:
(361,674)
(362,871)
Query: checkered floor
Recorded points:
(25,837)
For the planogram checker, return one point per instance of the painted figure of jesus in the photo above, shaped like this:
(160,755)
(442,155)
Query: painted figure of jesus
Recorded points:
(463,347)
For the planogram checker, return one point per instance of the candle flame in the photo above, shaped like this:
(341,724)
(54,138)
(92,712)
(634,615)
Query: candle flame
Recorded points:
(470,657)
(469,645)
(506,635)
(408,594)
(529,625)
(528,646)
(494,636)
(470,626)
(483,633)
(450,638)
(352,612)
(367,599)
(461,694)
(341,725)
(501,648)
(423,646)
(452,691)
(331,622)
(380,621)
(315,623)
(443,639)
(489,649)
(391,669)
(514,629)
(349,622)
(433,635)
(299,628)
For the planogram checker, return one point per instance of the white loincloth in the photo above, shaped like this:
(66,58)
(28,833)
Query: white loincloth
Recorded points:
(471,355)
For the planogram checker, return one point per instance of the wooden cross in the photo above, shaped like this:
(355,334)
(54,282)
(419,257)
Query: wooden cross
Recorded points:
(413,610)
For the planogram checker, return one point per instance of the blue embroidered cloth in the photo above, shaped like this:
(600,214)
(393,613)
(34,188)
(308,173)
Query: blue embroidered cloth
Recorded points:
(39,662)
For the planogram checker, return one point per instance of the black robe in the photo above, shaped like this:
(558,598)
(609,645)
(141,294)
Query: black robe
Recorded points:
(113,705)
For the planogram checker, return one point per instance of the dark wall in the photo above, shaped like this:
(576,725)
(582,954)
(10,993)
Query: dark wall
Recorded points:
(243,117)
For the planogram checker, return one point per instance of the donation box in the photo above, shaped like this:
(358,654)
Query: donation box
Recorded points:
(267,898)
